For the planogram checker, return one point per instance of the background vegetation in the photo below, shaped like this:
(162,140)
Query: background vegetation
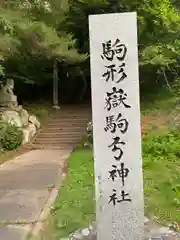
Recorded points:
(53,35)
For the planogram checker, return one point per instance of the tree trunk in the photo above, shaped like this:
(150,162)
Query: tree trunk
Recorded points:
(55,85)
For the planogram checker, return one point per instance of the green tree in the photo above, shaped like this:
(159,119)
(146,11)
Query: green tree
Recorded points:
(158,32)
(33,37)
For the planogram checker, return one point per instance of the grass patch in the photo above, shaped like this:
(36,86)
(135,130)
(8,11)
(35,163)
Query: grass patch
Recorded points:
(41,110)
(161,176)
(75,205)
(161,113)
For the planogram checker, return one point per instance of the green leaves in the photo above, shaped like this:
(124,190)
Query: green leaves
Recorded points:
(159,55)
(11,136)
(31,35)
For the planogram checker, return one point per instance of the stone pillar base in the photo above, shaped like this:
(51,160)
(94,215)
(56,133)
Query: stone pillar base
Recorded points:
(57,107)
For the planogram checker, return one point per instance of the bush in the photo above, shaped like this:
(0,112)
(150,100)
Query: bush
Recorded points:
(10,136)
(162,145)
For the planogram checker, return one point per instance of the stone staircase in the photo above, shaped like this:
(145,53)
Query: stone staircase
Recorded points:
(64,129)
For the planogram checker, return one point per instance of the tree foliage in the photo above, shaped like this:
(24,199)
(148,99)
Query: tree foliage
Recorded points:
(36,33)
(158,30)
(30,37)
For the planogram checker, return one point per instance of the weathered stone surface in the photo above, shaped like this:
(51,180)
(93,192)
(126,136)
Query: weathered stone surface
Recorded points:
(7,97)
(28,132)
(12,117)
(34,120)
(151,232)
(24,116)
(85,232)
(118,218)
(77,235)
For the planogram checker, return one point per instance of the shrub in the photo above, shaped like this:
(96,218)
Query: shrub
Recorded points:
(10,136)
(162,145)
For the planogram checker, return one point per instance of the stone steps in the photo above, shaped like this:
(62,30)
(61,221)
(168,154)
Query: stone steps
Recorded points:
(49,146)
(57,134)
(57,139)
(69,121)
(64,129)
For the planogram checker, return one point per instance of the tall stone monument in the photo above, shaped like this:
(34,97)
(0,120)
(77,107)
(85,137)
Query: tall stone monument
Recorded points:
(116,126)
